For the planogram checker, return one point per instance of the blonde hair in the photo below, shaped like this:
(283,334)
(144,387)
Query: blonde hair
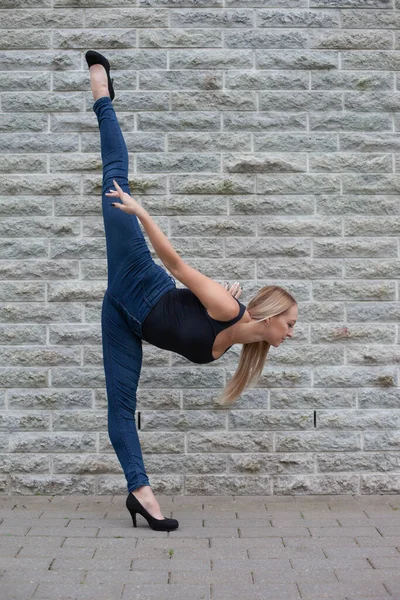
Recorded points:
(270,301)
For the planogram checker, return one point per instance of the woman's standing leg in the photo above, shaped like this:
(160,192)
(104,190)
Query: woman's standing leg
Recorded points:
(122,353)
(127,256)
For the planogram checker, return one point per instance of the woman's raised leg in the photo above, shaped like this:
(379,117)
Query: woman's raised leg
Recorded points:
(127,249)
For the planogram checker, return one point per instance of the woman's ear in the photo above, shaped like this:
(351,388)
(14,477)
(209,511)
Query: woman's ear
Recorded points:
(267,322)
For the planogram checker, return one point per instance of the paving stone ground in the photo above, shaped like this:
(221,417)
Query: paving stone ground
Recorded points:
(231,547)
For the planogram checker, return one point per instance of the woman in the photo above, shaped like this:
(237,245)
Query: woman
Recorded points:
(142,302)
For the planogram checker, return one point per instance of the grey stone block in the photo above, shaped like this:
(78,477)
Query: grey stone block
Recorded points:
(317,484)
(322,311)
(312,101)
(39,59)
(23,249)
(77,377)
(181,38)
(351,163)
(351,3)
(140,18)
(371,398)
(367,205)
(23,377)
(25,82)
(182,420)
(39,101)
(17,163)
(376,101)
(373,355)
(359,333)
(42,269)
(15,39)
(229,442)
(370,19)
(355,247)
(45,399)
(362,461)
(355,377)
(175,163)
(187,17)
(248,121)
(354,290)
(352,80)
(351,40)
(69,292)
(300,268)
(370,269)
(161,442)
(27,185)
(24,142)
(210,59)
(39,356)
(76,334)
(38,18)
(39,227)
(81,421)
(24,421)
(303,183)
(265,39)
(297,18)
(262,80)
(172,80)
(214,100)
(84,38)
(299,227)
(381,440)
(190,464)
(296,59)
(370,60)
(51,484)
(52,442)
(372,225)
(223,484)
(349,121)
(269,420)
(273,464)
(317,441)
(370,142)
(241,163)
(273,205)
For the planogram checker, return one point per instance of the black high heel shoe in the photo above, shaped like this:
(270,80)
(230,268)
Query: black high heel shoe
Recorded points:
(95,58)
(134,506)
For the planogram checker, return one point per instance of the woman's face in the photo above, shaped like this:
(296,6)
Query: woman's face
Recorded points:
(281,326)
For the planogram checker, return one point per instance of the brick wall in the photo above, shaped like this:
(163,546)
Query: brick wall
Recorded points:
(263,137)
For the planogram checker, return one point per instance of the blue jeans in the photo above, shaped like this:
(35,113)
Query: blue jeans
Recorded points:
(135,284)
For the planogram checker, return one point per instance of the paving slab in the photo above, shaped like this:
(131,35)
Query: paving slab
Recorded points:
(252,548)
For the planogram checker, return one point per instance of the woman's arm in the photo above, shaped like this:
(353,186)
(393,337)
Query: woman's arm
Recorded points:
(158,239)
(217,300)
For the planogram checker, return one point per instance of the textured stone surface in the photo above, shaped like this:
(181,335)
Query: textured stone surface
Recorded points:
(262,136)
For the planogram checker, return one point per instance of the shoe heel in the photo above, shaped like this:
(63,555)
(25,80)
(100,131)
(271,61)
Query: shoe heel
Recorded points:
(133,515)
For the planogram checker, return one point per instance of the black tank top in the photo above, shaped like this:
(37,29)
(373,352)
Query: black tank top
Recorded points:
(179,322)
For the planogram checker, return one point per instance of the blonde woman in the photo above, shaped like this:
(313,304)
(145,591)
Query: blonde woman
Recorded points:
(200,322)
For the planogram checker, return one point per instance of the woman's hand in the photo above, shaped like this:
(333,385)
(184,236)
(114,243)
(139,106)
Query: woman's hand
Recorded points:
(235,290)
(129,205)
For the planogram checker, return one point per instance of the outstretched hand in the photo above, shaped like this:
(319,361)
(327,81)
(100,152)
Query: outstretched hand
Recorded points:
(235,290)
(129,205)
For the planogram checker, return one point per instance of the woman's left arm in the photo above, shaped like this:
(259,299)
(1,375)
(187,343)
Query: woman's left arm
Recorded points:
(217,300)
